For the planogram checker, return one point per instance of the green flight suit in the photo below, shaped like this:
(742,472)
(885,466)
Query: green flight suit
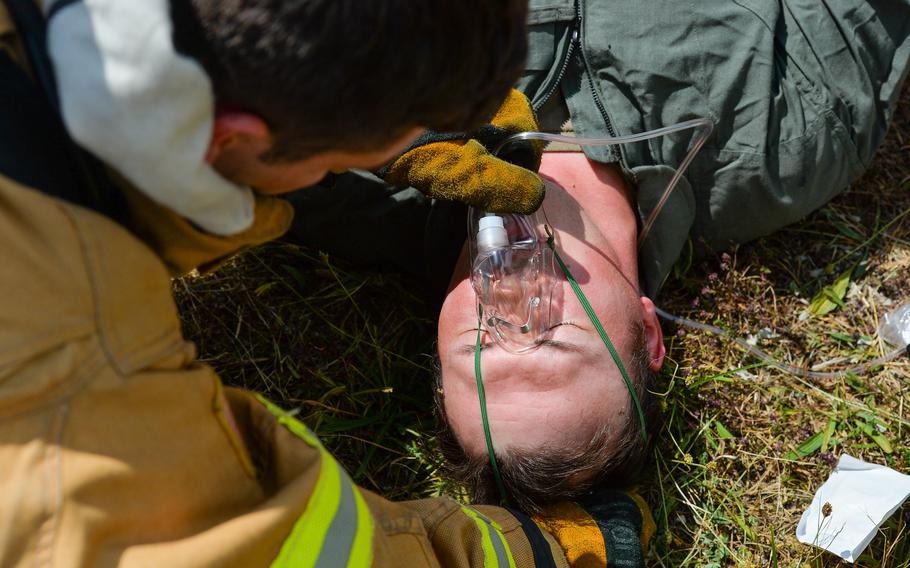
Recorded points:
(801,93)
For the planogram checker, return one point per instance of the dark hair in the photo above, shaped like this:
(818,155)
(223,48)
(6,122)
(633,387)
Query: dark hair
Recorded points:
(355,74)
(546,475)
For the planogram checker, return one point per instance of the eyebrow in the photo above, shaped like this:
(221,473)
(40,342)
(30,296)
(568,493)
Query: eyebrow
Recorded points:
(468,348)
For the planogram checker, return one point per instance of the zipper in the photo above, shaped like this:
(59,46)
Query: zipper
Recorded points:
(594,94)
(575,44)
(570,51)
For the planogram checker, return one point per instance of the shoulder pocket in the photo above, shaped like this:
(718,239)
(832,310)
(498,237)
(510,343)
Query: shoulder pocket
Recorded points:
(542,41)
(548,45)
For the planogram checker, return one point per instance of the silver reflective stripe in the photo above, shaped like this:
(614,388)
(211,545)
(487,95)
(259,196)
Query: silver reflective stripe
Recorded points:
(336,549)
(502,559)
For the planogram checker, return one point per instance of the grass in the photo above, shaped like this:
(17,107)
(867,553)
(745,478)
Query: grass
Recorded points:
(345,349)
(744,446)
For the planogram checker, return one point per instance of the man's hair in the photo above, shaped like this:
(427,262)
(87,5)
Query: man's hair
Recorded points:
(538,477)
(354,75)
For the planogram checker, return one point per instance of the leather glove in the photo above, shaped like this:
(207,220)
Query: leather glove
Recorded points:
(460,167)
(606,528)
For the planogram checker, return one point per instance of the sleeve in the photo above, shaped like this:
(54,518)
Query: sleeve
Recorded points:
(358,217)
(183,246)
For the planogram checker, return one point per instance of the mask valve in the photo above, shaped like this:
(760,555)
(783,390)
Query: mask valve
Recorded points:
(491,234)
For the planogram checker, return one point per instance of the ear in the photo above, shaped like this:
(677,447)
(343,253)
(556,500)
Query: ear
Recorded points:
(233,128)
(654,335)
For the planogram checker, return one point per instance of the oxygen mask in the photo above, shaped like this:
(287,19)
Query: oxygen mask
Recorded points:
(513,272)
(513,277)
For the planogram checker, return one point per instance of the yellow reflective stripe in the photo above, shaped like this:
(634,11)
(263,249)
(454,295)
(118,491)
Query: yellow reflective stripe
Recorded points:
(362,550)
(320,537)
(496,551)
(489,555)
(302,547)
(499,542)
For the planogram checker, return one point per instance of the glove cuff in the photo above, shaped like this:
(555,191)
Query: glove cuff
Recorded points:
(604,529)
(523,153)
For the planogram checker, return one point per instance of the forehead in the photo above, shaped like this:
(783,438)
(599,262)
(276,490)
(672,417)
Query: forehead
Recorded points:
(544,399)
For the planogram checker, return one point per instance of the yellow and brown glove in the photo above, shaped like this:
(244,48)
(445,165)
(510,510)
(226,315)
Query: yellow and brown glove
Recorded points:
(605,529)
(183,247)
(460,167)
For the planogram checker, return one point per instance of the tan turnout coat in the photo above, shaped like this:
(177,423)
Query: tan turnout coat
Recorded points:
(118,448)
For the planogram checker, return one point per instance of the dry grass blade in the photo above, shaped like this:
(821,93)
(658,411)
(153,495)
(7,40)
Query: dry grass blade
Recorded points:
(788,431)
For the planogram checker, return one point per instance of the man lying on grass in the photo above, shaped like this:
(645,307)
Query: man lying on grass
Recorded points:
(561,415)
(799,109)
(143,139)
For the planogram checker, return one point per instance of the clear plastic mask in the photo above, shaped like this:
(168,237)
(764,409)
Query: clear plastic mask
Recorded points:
(513,276)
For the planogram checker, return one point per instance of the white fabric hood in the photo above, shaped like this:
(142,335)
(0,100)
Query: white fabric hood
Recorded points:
(128,97)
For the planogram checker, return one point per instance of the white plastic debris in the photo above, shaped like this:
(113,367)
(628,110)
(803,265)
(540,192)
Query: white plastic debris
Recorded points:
(850,506)
(895,326)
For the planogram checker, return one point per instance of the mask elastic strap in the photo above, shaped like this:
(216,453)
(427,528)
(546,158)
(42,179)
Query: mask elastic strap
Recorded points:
(483,410)
(597,325)
(603,335)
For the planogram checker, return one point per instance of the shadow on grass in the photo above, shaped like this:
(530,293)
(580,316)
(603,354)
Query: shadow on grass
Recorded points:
(347,350)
